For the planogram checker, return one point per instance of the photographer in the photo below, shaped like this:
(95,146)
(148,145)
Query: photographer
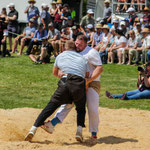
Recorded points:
(143,91)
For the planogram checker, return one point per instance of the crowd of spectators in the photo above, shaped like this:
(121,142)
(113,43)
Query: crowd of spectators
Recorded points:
(125,41)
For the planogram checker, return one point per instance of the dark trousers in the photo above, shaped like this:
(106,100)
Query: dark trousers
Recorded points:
(31,46)
(70,89)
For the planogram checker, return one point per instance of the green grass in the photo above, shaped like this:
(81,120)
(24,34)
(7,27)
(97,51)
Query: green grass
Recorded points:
(23,84)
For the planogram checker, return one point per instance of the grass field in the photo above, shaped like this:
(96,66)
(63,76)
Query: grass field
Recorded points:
(23,84)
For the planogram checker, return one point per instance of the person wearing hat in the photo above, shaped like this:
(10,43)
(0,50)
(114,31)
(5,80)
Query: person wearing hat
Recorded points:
(45,17)
(145,46)
(12,23)
(97,35)
(59,3)
(88,19)
(132,15)
(89,33)
(69,23)
(24,38)
(107,12)
(52,10)
(53,37)
(102,48)
(37,38)
(32,11)
(115,22)
(124,29)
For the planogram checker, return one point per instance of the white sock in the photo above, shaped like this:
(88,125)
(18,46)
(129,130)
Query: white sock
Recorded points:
(33,129)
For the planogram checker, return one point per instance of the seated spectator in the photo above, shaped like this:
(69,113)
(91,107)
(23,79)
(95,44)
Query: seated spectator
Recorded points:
(89,34)
(32,11)
(143,91)
(145,46)
(128,26)
(97,35)
(104,44)
(137,20)
(75,32)
(45,17)
(115,23)
(69,23)
(124,29)
(146,14)
(37,38)
(131,47)
(45,54)
(25,38)
(112,38)
(53,38)
(118,47)
(66,35)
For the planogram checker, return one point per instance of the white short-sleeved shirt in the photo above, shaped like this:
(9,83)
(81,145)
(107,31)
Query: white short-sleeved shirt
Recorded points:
(93,59)
(131,42)
(146,42)
(122,39)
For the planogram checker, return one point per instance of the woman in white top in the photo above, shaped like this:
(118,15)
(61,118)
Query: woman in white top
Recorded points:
(52,10)
(118,46)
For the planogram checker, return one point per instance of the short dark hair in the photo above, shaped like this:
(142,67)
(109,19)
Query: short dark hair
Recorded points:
(82,37)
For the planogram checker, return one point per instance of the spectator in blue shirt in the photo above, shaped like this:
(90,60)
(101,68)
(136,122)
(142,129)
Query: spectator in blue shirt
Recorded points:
(37,38)
(32,11)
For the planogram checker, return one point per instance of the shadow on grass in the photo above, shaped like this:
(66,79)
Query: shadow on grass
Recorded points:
(106,140)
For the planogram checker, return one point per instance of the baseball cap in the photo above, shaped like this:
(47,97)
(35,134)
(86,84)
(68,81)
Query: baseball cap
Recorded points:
(89,26)
(122,23)
(44,5)
(11,5)
(138,24)
(130,9)
(126,19)
(105,26)
(74,27)
(146,9)
(90,11)
(98,19)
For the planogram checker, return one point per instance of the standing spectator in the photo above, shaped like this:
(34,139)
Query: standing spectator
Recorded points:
(45,16)
(3,14)
(88,19)
(66,13)
(107,12)
(12,23)
(37,38)
(57,19)
(25,37)
(32,11)
(52,10)
(53,38)
(3,37)
(132,15)
(97,35)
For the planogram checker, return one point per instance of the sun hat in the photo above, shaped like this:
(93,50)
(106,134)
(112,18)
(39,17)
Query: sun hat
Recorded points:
(59,2)
(44,5)
(122,23)
(105,26)
(145,30)
(98,26)
(11,5)
(74,27)
(89,26)
(53,2)
(33,1)
(107,1)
